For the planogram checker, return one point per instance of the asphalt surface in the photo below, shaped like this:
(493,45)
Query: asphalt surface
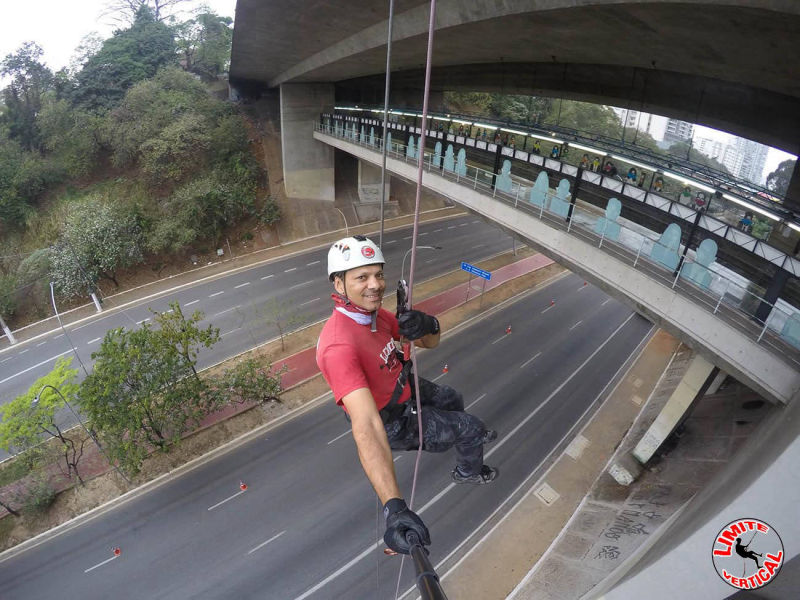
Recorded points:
(307,525)
(237,303)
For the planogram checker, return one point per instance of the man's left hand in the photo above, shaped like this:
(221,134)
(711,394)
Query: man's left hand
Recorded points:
(415,324)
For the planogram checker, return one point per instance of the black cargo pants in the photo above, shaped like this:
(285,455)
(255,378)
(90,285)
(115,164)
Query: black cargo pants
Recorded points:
(444,425)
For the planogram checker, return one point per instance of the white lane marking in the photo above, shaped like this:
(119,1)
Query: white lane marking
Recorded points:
(576,324)
(290,270)
(44,362)
(582,287)
(143,321)
(267,277)
(24,351)
(262,544)
(106,561)
(315,262)
(478,246)
(227,310)
(90,342)
(309,302)
(396,458)
(340,436)
(500,339)
(58,336)
(435,230)
(216,294)
(474,402)
(371,548)
(475,221)
(438,377)
(533,358)
(239,493)
(423,233)
(607,300)
(6,359)
(408,237)
(430,260)
(297,285)
(452,227)
(241,285)
(390,242)
(227,332)
(169,311)
(548,308)
(40,344)
(463,224)
(192,302)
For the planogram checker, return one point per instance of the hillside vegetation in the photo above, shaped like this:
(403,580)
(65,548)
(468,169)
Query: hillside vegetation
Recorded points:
(124,157)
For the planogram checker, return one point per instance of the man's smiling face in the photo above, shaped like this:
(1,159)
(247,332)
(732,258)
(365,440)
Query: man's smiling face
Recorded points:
(363,286)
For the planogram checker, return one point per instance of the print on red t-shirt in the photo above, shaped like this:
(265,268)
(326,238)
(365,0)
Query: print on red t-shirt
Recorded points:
(351,356)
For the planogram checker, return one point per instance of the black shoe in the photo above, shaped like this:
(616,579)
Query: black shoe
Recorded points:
(487,475)
(489,436)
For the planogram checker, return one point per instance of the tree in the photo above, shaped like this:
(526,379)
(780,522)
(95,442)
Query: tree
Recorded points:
(177,151)
(283,315)
(33,275)
(141,395)
(204,43)
(98,238)
(30,416)
(129,56)
(182,335)
(30,80)
(685,151)
(72,136)
(250,382)
(778,180)
(126,11)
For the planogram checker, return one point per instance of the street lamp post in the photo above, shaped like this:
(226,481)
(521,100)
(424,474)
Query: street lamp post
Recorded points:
(403,269)
(86,429)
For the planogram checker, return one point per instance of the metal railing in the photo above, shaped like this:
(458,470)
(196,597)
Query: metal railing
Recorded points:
(725,294)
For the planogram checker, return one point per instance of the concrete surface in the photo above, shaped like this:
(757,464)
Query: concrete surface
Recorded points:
(760,368)
(681,59)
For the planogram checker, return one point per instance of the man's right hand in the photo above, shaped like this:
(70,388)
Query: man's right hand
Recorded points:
(399,521)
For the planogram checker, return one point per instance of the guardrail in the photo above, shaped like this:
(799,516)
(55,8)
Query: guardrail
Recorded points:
(725,294)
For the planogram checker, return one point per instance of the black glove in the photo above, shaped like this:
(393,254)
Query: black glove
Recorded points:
(415,324)
(400,520)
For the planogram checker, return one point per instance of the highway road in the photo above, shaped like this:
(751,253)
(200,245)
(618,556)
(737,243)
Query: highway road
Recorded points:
(236,302)
(307,525)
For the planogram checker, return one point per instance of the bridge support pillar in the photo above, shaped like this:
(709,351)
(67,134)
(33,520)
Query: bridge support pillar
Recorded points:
(369,183)
(308,170)
(698,378)
(772,294)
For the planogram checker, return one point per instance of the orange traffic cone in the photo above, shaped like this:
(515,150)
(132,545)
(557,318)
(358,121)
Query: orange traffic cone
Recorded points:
(242,485)
(445,369)
(117,551)
(552,302)
(508,329)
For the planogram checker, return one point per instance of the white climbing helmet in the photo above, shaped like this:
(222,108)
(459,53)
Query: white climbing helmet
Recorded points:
(351,252)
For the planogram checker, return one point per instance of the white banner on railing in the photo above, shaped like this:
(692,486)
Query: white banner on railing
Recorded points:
(508,151)
(521,155)
(536,159)
(634,192)
(684,212)
(552,164)
(771,254)
(657,201)
(591,177)
(612,184)
(713,225)
(739,237)
(569,170)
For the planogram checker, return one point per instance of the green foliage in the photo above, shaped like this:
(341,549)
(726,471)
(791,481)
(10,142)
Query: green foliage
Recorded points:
(129,56)
(98,238)
(33,275)
(778,180)
(143,391)
(270,213)
(204,43)
(8,296)
(30,79)
(72,136)
(283,315)
(683,150)
(38,494)
(178,150)
(33,414)
(249,382)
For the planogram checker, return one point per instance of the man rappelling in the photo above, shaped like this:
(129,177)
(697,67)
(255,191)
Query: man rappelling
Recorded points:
(371,380)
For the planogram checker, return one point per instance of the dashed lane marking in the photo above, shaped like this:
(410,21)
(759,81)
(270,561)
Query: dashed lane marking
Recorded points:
(315,262)
(227,332)
(309,302)
(24,351)
(290,270)
(533,358)
(40,344)
(606,301)
(241,285)
(262,544)
(58,336)
(192,302)
(576,324)
(90,342)
(105,562)
(143,321)
(338,437)
(408,237)
(216,294)
(44,362)
(6,359)
(227,310)
(267,277)
(297,285)
(390,242)
(452,227)
(463,224)
(548,308)
(228,499)
(435,230)
(474,402)
(500,339)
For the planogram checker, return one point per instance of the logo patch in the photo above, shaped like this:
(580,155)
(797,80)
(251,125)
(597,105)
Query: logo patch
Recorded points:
(747,554)
(367,252)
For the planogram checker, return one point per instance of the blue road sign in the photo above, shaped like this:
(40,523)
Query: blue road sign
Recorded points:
(475,271)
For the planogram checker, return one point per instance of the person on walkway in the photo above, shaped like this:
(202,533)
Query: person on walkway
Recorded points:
(585,161)
(554,152)
(596,164)
(742,551)
(537,147)
(372,382)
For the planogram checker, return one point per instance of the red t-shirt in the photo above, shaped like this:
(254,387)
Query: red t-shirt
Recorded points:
(351,356)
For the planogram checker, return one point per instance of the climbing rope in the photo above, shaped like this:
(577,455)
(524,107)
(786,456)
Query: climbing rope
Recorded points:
(420,162)
(744,561)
